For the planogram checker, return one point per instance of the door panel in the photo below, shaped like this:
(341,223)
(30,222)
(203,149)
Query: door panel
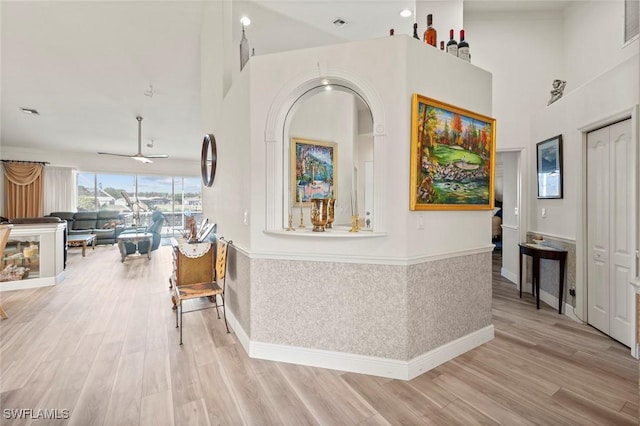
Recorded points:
(598,293)
(622,231)
(611,212)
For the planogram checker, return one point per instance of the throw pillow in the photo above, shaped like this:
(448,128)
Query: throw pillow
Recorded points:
(111,224)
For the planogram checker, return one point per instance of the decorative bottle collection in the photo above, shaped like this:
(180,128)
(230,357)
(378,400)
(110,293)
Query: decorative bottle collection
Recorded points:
(430,35)
(452,45)
(458,49)
(463,48)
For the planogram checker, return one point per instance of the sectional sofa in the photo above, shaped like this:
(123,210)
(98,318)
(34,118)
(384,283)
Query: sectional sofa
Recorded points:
(105,224)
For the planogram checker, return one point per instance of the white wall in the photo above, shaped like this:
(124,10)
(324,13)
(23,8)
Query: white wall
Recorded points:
(227,200)
(594,40)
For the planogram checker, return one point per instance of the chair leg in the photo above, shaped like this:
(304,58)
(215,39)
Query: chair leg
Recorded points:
(215,300)
(181,325)
(224,311)
(175,307)
(3,314)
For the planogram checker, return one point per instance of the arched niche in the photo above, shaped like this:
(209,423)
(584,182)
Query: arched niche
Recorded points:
(277,138)
(339,120)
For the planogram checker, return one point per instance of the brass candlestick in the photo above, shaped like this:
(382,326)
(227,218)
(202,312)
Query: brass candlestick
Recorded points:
(354,223)
(301,218)
(291,228)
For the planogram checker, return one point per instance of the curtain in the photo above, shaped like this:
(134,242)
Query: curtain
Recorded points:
(23,188)
(60,189)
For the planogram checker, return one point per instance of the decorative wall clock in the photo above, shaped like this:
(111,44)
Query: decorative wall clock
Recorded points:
(208,159)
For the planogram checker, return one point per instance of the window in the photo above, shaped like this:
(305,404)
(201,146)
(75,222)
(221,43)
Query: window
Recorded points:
(631,19)
(138,196)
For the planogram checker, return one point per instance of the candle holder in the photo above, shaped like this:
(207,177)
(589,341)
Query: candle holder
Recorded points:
(319,214)
(291,228)
(301,218)
(354,223)
(330,212)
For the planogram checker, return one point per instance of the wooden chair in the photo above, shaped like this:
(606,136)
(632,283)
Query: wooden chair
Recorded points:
(210,289)
(5,230)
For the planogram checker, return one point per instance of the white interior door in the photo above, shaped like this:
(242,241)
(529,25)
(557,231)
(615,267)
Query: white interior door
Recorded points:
(610,229)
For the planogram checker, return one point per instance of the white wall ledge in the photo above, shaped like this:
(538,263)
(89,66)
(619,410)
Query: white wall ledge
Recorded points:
(337,232)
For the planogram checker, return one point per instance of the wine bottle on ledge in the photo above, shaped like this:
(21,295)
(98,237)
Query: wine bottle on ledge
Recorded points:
(441,45)
(430,35)
(463,48)
(391,32)
(452,45)
(415,31)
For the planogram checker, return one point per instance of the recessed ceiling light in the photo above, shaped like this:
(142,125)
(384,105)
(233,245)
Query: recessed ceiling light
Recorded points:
(405,13)
(328,88)
(325,82)
(245,21)
(30,111)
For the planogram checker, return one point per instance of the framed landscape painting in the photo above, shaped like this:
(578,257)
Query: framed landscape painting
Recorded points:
(452,157)
(313,170)
(549,156)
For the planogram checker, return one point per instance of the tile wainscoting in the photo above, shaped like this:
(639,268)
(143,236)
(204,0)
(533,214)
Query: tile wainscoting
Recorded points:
(388,320)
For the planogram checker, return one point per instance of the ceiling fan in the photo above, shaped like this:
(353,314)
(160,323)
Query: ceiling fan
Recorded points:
(139,156)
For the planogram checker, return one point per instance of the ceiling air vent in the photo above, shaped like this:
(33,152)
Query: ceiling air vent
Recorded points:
(339,22)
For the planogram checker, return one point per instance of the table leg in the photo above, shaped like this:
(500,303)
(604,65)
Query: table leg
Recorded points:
(149,250)
(536,279)
(520,273)
(122,252)
(84,249)
(562,261)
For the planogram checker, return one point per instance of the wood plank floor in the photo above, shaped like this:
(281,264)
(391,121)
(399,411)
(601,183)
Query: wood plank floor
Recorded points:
(103,345)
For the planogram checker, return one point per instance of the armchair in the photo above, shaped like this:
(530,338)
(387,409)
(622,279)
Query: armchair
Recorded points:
(154,227)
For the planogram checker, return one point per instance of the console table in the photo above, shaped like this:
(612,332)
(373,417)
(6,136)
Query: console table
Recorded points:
(537,252)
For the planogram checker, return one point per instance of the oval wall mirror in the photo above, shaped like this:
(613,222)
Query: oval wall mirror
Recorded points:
(208,159)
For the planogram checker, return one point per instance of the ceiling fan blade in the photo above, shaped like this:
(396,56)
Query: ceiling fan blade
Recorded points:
(139,156)
(111,153)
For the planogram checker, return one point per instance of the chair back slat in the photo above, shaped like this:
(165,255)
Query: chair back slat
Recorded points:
(221,260)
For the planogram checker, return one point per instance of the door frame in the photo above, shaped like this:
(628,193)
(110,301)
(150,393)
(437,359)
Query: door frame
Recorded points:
(520,199)
(581,240)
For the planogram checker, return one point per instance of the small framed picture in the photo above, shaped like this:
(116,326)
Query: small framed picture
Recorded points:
(549,154)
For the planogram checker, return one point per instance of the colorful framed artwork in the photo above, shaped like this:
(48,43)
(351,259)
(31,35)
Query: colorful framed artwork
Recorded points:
(452,157)
(549,168)
(313,170)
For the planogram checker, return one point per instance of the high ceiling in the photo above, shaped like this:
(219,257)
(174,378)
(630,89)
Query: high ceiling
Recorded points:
(91,67)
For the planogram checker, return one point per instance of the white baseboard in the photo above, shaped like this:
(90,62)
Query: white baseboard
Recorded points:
(511,276)
(383,367)
(32,283)
(448,351)
(243,337)
(551,300)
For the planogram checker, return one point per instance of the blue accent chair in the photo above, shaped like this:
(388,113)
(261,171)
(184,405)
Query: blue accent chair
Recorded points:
(154,227)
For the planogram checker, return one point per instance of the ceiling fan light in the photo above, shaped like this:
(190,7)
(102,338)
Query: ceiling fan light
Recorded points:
(142,160)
